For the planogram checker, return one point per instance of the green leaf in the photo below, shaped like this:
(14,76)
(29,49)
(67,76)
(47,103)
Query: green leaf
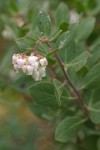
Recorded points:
(25,42)
(32,17)
(69,37)
(52,52)
(68,47)
(57,34)
(22,83)
(62,14)
(44,23)
(40,111)
(95,43)
(92,79)
(96,55)
(61,39)
(68,128)
(96,10)
(43,93)
(95,112)
(85,28)
(95,95)
(77,63)
(64,26)
(68,53)
(58,87)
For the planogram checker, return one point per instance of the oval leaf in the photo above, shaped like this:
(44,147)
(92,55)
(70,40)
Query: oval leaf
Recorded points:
(95,113)
(77,63)
(52,52)
(58,87)
(68,128)
(56,35)
(85,28)
(92,79)
(43,93)
(25,42)
(44,23)
(62,14)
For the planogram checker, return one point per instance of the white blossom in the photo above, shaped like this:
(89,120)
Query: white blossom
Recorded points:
(43,62)
(20,62)
(30,65)
(32,59)
(36,75)
(42,72)
(14,59)
(24,68)
(29,69)
(16,67)
(35,66)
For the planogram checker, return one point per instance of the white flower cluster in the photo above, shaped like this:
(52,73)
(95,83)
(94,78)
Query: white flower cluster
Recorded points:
(30,65)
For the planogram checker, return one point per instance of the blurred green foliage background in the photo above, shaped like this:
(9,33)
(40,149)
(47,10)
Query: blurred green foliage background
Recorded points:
(20,128)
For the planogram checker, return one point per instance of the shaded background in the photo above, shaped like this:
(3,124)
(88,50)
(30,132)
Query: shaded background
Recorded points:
(20,128)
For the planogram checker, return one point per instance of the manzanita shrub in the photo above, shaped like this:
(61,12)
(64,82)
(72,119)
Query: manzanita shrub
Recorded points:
(58,65)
